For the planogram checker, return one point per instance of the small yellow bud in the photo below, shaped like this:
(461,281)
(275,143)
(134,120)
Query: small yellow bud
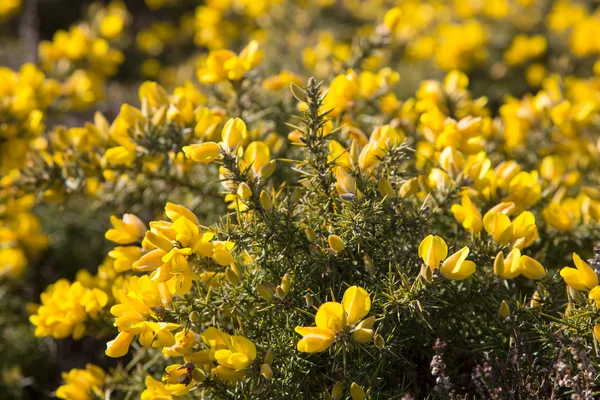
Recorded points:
(266,371)
(244,191)
(285,283)
(357,392)
(267,170)
(295,196)
(280,292)
(266,290)
(309,300)
(345,183)
(379,341)
(194,316)
(269,357)
(337,391)
(409,188)
(265,200)
(336,243)
(232,276)
(504,310)
(499,264)
(310,234)
(597,332)
(385,188)
(368,263)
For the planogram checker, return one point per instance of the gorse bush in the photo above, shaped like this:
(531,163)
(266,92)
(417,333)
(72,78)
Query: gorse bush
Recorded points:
(365,200)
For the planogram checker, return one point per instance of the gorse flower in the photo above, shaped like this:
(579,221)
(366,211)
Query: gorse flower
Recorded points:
(433,250)
(65,309)
(333,318)
(82,383)
(581,278)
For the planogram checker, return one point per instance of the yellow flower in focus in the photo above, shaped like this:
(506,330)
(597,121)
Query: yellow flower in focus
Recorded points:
(583,277)
(516,264)
(433,250)
(457,267)
(332,318)
(203,152)
(233,133)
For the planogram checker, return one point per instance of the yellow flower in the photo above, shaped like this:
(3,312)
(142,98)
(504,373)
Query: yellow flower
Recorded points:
(332,318)
(119,346)
(595,295)
(203,152)
(65,309)
(433,250)
(233,133)
(345,183)
(516,264)
(467,214)
(234,354)
(226,65)
(125,257)
(82,384)
(498,225)
(582,278)
(155,390)
(457,267)
(127,230)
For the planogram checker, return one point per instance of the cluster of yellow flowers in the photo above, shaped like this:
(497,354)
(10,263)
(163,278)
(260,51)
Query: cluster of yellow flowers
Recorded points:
(26,96)
(437,211)
(82,383)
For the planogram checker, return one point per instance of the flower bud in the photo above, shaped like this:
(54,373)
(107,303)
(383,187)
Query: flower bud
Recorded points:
(379,341)
(280,292)
(265,200)
(409,188)
(267,170)
(336,243)
(232,276)
(285,283)
(337,391)
(244,191)
(265,290)
(368,263)
(295,196)
(356,392)
(266,371)
(310,234)
(269,357)
(385,188)
(194,316)
(504,310)
(309,300)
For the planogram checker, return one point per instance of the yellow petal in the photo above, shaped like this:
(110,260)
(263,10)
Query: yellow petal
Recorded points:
(331,315)
(357,304)
(119,346)
(433,250)
(588,275)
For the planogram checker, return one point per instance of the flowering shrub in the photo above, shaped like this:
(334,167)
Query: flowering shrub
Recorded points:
(319,199)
